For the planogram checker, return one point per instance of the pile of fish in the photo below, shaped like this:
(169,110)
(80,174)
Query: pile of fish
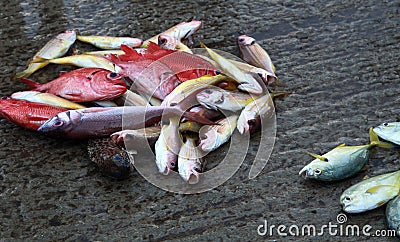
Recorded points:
(156,90)
(344,161)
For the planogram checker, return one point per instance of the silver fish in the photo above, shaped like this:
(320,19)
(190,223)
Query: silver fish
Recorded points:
(389,132)
(371,193)
(216,98)
(213,136)
(109,42)
(190,161)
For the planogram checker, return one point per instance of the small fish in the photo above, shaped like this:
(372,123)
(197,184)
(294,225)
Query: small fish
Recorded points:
(46,98)
(213,136)
(170,43)
(371,193)
(190,87)
(179,31)
(341,162)
(216,98)
(248,82)
(56,47)
(111,160)
(130,138)
(389,132)
(393,215)
(97,122)
(266,76)
(110,43)
(30,115)
(83,85)
(260,108)
(190,162)
(255,55)
(167,147)
(85,61)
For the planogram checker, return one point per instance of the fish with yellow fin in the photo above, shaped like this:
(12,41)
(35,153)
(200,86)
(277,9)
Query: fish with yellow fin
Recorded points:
(341,162)
(371,193)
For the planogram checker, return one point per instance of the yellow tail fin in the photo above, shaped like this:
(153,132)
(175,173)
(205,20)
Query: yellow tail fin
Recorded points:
(374,140)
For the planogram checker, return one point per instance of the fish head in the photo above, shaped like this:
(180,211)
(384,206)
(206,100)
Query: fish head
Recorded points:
(244,40)
(69,35)
(211,98)
(357,201)
(246,121)
(209,138)
(9,102)
(186,29)
(165,157)
(319,170)
(189,170)
(388,131)
(109,84)
(167,42)
(61,123)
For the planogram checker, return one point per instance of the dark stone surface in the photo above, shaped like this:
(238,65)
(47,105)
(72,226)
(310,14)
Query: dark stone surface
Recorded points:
(339,58)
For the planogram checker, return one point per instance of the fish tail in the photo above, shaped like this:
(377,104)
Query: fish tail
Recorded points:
(24,73)
(30,83)
(40,60)
(202,45)
(278,94)
(374,140)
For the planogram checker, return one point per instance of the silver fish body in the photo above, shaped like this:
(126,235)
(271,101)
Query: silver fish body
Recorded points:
(109,42)
(393,215)
(215,98)
(371,193)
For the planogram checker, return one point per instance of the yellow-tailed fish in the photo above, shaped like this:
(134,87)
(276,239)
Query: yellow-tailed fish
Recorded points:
(247,82)
(216,98)
(190,161)
(86,61)
(213,136)
(254,54)
(189,87)
(167,146)
(371,193)
(130,98)
(170,43)
(389,132)
(341,162)
(56,47)
(179,31)
(110,43)
(260,108)
(46,98)
(393,215)
(115,52)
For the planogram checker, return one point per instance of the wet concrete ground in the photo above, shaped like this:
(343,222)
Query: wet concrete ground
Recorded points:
(340,58)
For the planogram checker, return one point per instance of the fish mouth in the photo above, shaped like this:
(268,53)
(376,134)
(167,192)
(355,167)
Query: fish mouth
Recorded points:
(303,173)
(193,178)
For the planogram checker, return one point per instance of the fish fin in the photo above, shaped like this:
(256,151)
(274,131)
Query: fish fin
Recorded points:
(374,140)
(153,47)
(278,94)
(202,45)
(365,177)
(377,188)
(30,83)
(319,157)
(129,51)
(24,73)
(341,145)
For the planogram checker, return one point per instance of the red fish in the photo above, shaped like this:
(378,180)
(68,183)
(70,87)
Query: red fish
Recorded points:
(158,71)
(83,85)
(30,115)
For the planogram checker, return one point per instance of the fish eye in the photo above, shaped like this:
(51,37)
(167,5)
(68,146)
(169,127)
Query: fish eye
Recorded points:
(253,42)
(218,72)
(197,169)
(385,124)
(172,164)
(162,41)
(208,91)
(113,74)
(348,199)
(203,137)
(241,39)
(317,171)
(251,122)
(58,123)
(4,98)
